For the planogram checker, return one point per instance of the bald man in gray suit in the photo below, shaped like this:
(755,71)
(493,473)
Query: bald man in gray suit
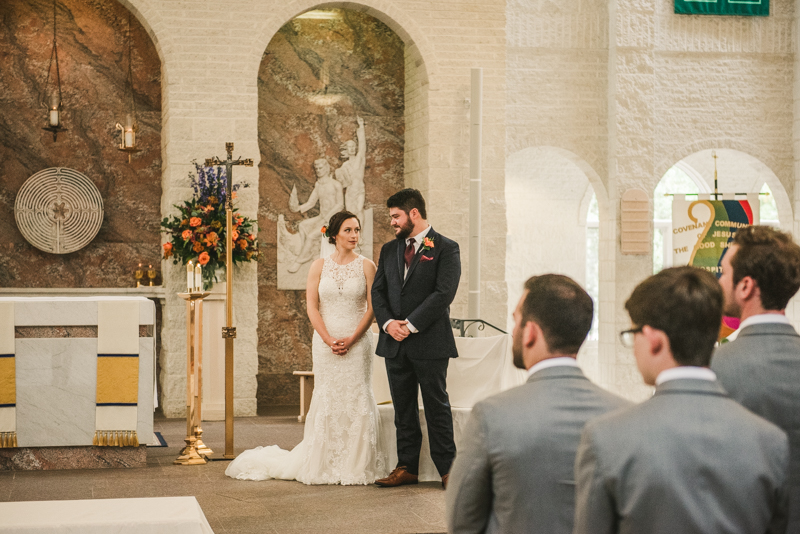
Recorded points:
(514,470)
(761,368)
(689,460)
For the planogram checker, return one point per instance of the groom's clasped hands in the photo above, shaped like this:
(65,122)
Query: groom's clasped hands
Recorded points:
(398,330)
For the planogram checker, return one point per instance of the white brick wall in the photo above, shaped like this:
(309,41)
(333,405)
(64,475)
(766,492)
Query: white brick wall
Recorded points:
(625,86)
(211,51)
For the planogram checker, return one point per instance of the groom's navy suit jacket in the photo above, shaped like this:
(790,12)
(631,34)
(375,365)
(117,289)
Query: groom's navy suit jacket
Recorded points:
(423,297)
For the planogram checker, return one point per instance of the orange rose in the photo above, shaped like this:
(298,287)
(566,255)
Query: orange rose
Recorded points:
(185,222)
(242,243)
(195,221)
(186,235)
(203,258)
(198,247)
(235,235)
(167,250)
(211,239)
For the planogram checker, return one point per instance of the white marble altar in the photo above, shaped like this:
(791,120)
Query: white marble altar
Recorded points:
(56,376)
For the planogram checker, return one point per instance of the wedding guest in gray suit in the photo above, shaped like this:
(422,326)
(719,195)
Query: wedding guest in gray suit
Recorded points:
(690,459)
(514,470)
(761,368)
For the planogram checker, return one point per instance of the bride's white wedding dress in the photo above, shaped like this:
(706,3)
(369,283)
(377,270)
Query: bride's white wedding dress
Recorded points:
(341,436)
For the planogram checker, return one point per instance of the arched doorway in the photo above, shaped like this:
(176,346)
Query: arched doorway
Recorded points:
(321,72)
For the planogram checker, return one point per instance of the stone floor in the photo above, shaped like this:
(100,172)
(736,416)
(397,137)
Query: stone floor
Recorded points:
(232,506)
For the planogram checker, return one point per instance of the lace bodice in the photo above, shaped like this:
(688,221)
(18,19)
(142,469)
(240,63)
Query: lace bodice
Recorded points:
(342,296)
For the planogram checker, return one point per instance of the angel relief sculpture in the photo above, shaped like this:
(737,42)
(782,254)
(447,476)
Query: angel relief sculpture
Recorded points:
(333,191)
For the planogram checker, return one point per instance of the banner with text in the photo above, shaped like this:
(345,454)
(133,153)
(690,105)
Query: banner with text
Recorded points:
(746,8)
(702,230)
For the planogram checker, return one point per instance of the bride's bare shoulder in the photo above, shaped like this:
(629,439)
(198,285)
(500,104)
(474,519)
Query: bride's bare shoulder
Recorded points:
(369,265)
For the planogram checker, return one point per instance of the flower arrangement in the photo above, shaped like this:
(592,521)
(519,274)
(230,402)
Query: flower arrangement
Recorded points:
(198,231)
(427,243)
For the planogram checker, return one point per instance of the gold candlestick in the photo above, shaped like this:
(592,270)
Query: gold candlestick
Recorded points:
(139,274)
(195,450)
(151,274)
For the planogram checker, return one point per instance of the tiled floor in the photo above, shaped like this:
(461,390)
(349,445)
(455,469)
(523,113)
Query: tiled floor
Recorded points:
(274,507)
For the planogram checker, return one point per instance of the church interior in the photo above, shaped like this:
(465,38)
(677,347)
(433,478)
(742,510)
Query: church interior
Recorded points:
(593,115)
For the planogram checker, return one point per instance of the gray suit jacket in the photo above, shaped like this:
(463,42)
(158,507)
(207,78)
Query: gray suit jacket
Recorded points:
(514,469)
(761,370)
(689,460)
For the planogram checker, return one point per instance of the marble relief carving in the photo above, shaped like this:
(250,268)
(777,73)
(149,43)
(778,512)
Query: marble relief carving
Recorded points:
(316,79)
(93,61)
(333,191)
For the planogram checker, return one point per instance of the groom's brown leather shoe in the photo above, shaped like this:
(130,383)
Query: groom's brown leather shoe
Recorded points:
(399,477)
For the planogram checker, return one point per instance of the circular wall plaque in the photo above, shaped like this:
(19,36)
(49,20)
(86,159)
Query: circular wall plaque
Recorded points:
(59,210)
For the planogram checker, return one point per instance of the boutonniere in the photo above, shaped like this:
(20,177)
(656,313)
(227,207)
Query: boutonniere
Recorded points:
(427,243)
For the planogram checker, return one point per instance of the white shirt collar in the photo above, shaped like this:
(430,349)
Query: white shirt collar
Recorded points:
(686,371)
(553,362)
(419,237)
(765,318)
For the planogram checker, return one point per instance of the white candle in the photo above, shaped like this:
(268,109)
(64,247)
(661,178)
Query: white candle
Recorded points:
(198,277)
(55,103)
(189,277)
(128,138)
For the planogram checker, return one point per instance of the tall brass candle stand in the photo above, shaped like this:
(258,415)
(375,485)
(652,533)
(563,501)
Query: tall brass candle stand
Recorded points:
(195,450)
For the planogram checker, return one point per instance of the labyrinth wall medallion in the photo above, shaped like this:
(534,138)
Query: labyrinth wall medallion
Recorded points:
(59,210)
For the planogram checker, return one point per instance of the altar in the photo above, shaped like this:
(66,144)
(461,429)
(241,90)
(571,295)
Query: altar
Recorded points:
(76,373)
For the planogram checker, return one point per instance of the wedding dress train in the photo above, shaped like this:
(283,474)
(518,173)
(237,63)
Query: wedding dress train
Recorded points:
(341,435)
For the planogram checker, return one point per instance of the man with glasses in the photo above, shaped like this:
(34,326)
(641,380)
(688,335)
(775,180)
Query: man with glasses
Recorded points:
(514,469)
(761,368)
(689,459)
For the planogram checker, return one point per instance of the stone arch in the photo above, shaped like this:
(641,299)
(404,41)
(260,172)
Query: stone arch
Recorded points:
(718,143)
(765,169)
(556,186)
(149,17)
(419,52)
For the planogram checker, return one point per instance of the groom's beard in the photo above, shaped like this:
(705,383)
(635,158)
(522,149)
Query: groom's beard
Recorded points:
(405,230)
(516,351)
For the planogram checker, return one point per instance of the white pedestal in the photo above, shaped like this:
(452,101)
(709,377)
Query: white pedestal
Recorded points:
(213,404)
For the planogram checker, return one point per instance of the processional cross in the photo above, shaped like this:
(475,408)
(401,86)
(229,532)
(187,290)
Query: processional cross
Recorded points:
(229,331)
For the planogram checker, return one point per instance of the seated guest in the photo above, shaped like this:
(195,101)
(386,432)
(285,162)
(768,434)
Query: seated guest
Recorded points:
(514,471)
(761,369)
(689,459)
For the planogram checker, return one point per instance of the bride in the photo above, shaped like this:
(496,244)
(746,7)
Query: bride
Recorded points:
(340,440)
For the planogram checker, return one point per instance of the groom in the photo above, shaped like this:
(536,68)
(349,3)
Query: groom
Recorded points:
(416,281)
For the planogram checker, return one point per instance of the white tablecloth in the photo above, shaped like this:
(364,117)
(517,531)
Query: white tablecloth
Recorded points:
(157,515)
(483,368)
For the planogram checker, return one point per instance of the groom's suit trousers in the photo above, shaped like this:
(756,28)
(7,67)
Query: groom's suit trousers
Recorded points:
(431,375)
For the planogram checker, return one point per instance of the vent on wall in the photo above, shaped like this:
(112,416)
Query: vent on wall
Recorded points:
(636,223)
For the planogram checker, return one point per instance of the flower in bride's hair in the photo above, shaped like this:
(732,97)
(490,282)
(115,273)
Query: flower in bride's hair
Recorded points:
(324,231)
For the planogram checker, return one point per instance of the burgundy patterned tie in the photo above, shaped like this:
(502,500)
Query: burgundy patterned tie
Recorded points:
(409,254)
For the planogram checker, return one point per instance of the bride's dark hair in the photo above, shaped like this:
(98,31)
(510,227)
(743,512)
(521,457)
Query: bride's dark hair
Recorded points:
(335,224)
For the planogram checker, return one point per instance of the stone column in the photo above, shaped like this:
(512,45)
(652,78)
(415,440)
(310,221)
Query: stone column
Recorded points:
(631,140)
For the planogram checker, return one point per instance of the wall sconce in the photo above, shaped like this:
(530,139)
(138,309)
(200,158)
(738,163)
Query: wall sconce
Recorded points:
(128,132)
(56,104)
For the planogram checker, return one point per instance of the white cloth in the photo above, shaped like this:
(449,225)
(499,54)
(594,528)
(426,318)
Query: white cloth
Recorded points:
(686,371)
(765,318)
(155,515)
(342,430)
(553,362)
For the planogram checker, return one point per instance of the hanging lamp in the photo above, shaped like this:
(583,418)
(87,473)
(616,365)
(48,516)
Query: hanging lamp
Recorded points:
(54,102)
(127,142)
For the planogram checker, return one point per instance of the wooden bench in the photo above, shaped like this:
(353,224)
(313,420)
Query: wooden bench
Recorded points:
(306,390)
